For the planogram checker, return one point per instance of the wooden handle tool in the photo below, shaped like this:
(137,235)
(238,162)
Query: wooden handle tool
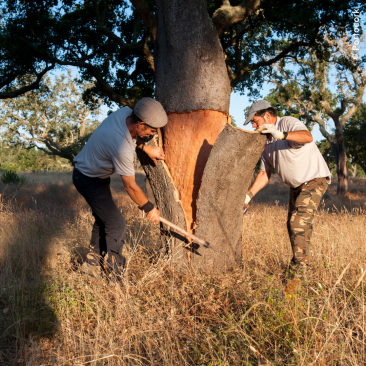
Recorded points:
(185,233)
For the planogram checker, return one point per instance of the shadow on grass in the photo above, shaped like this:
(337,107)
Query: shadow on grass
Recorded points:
(45,231)
(33,218)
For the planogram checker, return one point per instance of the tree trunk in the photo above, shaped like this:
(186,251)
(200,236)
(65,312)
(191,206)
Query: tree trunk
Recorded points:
(193,85)
(226,180)
(363,166)
(354,170)
(340,158)
(342,170)
(342,188)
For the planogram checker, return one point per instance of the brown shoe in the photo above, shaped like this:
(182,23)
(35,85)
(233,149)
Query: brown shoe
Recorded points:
(91,270)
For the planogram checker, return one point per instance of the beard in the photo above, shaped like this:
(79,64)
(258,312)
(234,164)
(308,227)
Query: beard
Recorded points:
(147,138)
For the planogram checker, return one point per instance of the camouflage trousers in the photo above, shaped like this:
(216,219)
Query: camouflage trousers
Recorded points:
(304,201)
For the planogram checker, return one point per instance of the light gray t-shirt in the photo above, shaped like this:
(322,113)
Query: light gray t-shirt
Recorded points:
(294,163)
(110,148)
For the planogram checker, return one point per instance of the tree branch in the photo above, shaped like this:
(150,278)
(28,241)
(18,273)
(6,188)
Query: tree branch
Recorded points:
(226,15)
(100,82)
(148,56)
(239,78)
(103,30)
(24,89)
(148,17)
(359,89)
(329,110)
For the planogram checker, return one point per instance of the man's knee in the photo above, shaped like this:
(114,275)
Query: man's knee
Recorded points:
(116,227)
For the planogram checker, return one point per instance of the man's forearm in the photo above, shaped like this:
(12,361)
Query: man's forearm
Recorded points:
(301,137)
(136,194)
(260,182)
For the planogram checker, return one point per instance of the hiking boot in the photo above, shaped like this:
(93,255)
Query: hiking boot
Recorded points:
(91,270)
(297,271)
(296,276)
(94,259)
(114,280)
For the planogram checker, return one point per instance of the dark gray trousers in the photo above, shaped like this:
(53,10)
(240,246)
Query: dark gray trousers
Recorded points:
(109,229)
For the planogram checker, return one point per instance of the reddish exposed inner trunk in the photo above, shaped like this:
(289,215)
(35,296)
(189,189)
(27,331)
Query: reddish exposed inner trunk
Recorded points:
(187,159)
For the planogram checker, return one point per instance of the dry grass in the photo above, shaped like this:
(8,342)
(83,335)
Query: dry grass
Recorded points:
(50,314)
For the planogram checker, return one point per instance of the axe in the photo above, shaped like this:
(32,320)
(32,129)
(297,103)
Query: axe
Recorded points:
(184,232)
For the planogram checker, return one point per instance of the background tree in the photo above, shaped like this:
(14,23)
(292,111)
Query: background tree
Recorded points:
(189,54)
(16,158)
(303,88)
(326,150)
(355,137)
(53,118)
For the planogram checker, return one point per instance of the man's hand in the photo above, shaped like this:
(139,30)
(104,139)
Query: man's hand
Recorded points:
(154,152)
(248,197)
(154,216)
(271,129)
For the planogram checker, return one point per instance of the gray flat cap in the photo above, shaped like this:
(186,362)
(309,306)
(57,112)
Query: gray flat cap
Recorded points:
(255,107)
(151,112)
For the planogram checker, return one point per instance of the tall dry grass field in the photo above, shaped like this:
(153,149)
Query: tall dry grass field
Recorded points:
(51,314)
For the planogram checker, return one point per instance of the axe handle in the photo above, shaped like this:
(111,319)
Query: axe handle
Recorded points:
(184,232)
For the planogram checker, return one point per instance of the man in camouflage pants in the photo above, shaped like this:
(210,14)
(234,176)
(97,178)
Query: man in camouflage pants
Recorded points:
(291,152)
(304,201)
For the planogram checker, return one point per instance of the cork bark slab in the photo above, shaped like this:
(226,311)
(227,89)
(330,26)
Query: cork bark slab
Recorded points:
(226,179)
(188,140)
(167,201)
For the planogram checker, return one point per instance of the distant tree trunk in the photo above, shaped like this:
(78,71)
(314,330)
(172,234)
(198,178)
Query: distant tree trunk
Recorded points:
(342,187)
(193,85)
(340,157)
(363,166)
(354,170)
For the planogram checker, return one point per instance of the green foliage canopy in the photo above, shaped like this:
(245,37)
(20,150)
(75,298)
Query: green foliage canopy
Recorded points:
(112,42)
(355,137)
(17,159)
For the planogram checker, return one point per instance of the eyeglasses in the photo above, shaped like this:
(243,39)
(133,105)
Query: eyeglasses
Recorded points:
(261,116)
(153,129)
(255,121)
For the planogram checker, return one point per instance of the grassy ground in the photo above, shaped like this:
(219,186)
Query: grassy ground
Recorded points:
(50,314)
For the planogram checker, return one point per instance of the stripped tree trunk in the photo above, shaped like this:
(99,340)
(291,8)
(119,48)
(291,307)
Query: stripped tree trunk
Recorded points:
(193,85)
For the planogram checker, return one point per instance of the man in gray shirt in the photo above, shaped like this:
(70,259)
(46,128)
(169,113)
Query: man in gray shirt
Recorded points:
(111,148)
(291,152)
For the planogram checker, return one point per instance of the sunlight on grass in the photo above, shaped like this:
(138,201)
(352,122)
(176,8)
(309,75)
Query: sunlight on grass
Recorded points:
(51,314)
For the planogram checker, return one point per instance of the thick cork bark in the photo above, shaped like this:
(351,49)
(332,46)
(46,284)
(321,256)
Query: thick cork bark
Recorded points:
(225,182)
(188,140)
(167,201)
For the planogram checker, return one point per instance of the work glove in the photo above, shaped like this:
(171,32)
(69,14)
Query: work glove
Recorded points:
(269,128)
(248,197)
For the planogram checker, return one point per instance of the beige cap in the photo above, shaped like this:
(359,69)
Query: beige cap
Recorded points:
(151,112)
(254,108)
